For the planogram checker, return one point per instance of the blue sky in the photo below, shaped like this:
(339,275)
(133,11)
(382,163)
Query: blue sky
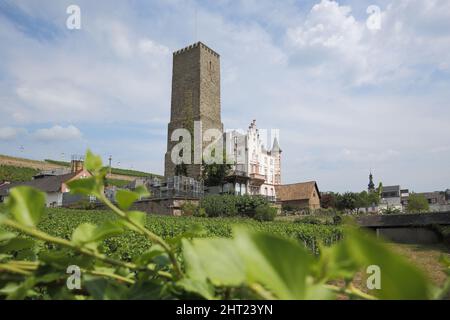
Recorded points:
(345,98)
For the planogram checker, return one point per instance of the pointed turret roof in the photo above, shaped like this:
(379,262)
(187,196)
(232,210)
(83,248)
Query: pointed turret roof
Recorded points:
(276,145)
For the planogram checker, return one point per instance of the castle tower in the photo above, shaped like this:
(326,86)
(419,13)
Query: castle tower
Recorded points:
(195,97)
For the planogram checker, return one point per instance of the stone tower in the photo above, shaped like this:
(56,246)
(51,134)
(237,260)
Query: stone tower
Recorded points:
(195,97)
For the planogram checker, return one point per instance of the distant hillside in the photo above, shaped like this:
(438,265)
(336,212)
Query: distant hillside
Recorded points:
(16,174)
(21,169)
(125,172)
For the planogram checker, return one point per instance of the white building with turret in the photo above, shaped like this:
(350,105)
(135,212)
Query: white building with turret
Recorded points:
(258,166)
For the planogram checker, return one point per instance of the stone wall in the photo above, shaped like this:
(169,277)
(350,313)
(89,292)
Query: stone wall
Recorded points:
(167,207)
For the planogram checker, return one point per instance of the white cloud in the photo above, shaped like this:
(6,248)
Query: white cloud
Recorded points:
(150,47)
(58,132)
(10,133)
(337,46)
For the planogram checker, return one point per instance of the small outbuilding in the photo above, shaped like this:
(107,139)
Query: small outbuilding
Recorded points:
(303,195)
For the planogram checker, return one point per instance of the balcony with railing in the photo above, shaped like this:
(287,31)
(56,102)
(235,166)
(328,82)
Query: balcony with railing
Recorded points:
(257,179)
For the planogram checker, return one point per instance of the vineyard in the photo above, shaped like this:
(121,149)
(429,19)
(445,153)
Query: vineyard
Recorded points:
(62,222)
(16,174)
(124,172)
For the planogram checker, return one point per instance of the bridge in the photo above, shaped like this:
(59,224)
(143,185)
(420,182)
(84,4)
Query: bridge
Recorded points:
(407,228)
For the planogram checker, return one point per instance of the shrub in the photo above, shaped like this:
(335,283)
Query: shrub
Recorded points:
(188,208)
(200,212)
(337,219)
(246,205)
(219,205)
(229,205)
(265,213)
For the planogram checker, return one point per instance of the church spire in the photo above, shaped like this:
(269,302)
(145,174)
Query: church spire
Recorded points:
(371,184)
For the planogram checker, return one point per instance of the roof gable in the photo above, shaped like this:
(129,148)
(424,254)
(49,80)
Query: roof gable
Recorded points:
(297,191)
(46,184)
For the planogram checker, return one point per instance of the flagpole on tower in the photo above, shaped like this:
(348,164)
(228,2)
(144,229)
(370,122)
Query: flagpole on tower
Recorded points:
(195,23)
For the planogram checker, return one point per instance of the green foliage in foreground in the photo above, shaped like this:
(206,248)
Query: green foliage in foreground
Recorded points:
(252,264)
(16,174)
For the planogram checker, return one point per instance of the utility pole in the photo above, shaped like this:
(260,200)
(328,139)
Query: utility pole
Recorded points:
(110,161)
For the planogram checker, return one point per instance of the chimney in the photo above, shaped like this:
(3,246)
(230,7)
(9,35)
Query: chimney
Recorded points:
(77,164)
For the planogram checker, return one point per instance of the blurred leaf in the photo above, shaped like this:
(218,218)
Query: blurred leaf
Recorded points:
(142,191)
(106,230)
(199,287)
(27,205)
(194,230)
(138,217)
(90,235)
(4,257)
(399,278)
(149,290)
(64,258)
(335,262)
(214,259)
(87,186)
(83,233)
(16,244)
(92,162)
(5,235)
(279,264)
(21,291)
(104,289)
(125,198)
(148,256)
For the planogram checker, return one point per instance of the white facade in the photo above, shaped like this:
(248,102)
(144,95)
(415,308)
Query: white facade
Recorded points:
(250,156)
(54,199)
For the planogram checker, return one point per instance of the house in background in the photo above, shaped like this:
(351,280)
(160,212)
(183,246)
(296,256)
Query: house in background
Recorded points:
(404,195)
(391,198)
(304,195)
(257,168)
(437,201)
(55,186)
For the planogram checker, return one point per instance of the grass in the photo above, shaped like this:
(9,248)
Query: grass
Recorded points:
(426,258)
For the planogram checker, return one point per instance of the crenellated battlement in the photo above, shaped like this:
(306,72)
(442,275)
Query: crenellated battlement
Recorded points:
(194,46)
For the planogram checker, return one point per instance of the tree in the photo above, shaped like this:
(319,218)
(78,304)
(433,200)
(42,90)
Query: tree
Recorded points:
(373,198)
(417,203)
(213,174)
(380,189)
(362,200)
(346,201)
(328,200)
